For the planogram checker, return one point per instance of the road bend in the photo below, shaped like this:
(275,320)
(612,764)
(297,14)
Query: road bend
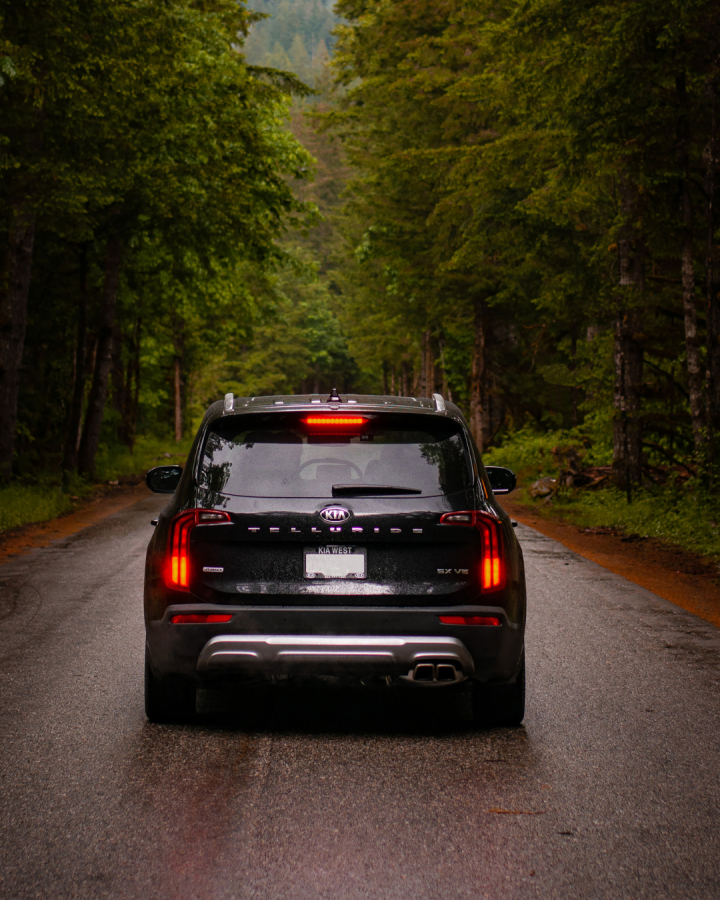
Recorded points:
(610,789)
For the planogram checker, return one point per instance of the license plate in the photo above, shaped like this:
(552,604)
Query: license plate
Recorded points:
(335,561)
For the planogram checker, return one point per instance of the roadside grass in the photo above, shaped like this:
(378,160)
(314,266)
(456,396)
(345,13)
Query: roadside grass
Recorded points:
(682,514)
(21,504)
(47,496)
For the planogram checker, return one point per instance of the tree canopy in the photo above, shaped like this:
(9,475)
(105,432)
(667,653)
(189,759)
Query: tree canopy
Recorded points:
(144,182)
(531,209)
(511,203)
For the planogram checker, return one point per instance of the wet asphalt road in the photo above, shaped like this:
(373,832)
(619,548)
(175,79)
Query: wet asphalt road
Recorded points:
(610,790)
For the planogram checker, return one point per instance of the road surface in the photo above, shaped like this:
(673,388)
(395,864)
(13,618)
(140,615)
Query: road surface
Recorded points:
(610,790)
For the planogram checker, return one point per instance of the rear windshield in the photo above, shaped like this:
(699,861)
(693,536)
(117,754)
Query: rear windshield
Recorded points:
(281,455)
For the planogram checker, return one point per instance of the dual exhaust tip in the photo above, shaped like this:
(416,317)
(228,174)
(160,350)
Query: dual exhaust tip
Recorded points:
(441,672)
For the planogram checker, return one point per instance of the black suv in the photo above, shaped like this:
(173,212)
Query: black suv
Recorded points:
(354,536)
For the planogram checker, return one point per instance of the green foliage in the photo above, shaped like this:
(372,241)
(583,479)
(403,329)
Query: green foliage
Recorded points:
(43,497)
(682,513)
(468,156)
(492,150)
(143,122)
(299,344)
(21,504)
(529,452)
(116,461)
(687,517)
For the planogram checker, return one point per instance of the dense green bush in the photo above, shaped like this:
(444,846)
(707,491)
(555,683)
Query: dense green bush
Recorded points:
(529,453)
(681,512)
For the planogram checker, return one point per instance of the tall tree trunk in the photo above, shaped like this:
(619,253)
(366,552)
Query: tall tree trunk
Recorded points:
(128,398)
(627,430)
(417,377)
(405,379)
(573,367)
(134,397)
(443,370)
(386,384)
(487,403)
(14,288)
(477,374)
(103,359)
(177,394)
(72,438)
(628,354)
(712,283)
(429,365)
(426,376)
(131,377)
(692,344)
(178,381)
(117,380)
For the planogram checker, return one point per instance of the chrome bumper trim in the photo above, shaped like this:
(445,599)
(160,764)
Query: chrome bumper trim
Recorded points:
(317,653)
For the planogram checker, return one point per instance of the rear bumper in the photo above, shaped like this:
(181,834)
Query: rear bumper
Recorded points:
(348,655)
(352,641)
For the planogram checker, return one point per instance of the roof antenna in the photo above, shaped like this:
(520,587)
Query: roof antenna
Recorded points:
(334,397)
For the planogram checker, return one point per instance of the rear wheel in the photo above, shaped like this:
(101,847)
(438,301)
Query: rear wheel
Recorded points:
(500,704)
(170,700)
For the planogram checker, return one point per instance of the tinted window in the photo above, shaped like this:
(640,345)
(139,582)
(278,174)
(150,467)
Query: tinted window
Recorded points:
(276,455)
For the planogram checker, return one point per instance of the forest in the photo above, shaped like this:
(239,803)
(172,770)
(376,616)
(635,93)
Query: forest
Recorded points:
(512,203)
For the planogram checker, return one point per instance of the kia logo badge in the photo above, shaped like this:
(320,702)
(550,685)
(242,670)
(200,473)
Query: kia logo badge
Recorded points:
(335,514)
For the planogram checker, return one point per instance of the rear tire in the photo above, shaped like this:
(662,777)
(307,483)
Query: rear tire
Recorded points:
(500,704)
(168,701)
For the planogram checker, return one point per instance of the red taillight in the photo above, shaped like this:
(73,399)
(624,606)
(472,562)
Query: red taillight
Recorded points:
(487,621)
(493,573)
(210,619)
(178,570)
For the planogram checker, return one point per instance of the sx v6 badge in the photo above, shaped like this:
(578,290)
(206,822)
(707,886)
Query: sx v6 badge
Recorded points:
(452,571)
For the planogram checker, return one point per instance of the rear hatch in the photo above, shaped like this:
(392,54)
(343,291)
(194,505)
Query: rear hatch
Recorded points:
(335,509)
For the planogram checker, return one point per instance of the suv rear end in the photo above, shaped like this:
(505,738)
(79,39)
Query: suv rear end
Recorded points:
(354,537)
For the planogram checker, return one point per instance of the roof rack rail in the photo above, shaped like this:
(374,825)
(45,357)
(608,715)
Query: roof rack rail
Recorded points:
(229,403)
(439,402)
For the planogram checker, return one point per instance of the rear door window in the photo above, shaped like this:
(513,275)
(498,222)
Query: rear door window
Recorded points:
(282,455)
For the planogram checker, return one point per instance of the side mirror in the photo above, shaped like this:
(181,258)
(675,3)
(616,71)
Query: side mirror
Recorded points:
(163,479)
(502,481)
